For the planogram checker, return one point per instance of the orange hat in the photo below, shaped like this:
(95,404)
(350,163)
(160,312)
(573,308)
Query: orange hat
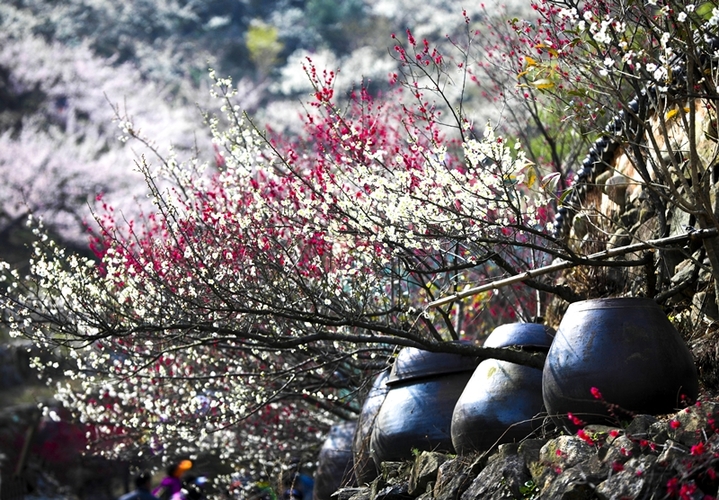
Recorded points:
(182,467)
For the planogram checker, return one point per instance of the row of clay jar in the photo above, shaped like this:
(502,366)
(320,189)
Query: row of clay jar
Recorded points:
(607,358)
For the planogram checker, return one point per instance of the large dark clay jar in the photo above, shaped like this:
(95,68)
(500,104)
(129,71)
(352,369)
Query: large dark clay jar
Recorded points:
(334,468)
(364,466)
(500,401)
(620,351)
(417,412)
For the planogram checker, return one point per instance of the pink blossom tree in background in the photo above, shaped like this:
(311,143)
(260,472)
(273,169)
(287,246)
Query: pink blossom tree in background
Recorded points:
(245,310)
(67,79)
(64,65)
(58,145)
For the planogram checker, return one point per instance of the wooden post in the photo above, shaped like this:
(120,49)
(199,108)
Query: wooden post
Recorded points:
(698,234)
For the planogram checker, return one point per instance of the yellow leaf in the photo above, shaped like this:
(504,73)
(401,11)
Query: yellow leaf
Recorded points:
(548,48)
(531,176)
(530,62)
(521,74)
(543,83)
(673,112)
(481,297)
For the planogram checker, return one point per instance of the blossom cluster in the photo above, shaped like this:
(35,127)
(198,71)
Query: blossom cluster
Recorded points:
(257,292)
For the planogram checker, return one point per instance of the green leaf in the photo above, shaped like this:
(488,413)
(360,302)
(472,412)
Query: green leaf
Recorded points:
(565,194)
(705,10)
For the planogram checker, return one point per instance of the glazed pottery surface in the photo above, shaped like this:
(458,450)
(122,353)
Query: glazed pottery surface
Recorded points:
(500,401)
(417,410)
(521,335)
(364,466)
(627,350)
(334,469)
(413,363)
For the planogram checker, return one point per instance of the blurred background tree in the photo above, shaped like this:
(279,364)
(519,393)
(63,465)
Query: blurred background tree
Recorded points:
(70,68)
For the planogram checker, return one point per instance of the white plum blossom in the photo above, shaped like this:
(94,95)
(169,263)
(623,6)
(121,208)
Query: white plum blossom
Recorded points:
(714,19)
(183,331)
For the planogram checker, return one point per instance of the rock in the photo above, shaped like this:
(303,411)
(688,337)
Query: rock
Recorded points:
(602,178)
(621,464)
(351,494)
(453,479)
(529,449)
(393,475)
(615,188)
(627,446)
(646,212)
(705,276)
(557,456)
(704,306)
(393,470)
(620,450)
(393,492)
(361,494)
(672,451)
(565,451)
(639,477)
(424,471)
(428,493)
(623,485)
(639,427)
(581,225)
(600,433)
(642,465)
(620,238)
(515,475)
(596,469)
(630,218)
(572,484)
(502,478)
(679,221)
(691,422)
(706,357)
(683,271)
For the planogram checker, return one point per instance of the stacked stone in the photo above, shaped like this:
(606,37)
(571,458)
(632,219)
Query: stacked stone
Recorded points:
(649,457)
(622,128)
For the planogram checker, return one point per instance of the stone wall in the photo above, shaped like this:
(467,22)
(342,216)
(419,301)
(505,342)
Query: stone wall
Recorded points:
(646,457)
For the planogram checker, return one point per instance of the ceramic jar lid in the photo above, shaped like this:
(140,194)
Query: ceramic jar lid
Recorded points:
(521,335)
(413,364)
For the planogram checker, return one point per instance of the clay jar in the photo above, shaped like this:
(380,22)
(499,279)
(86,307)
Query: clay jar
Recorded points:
(417,411)
(334,468)
(501,399)
(618,351)
(364,467)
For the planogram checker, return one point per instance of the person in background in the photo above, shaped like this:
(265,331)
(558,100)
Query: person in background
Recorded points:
(299,485)
(172,483)
(142,488)
(193,488)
